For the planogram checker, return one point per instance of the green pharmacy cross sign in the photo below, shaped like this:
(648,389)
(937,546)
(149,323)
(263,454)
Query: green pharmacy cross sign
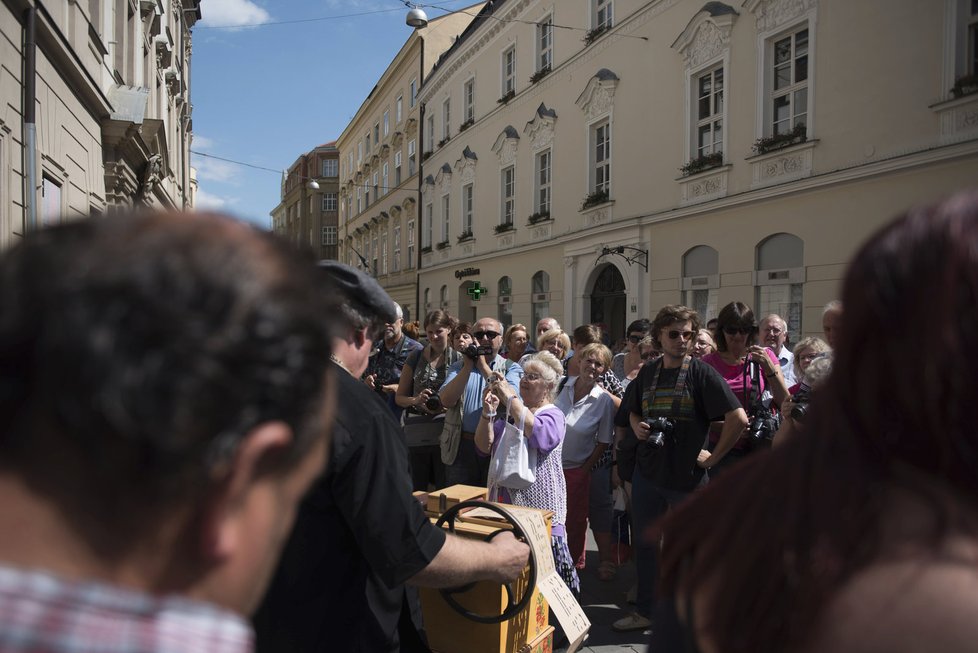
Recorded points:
(477,291)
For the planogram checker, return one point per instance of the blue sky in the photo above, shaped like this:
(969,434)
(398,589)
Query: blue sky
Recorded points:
(265,94)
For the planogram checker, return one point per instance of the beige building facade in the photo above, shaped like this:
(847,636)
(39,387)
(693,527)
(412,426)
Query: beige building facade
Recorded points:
(676,151)
(307,214)
(110,92)
(380,160)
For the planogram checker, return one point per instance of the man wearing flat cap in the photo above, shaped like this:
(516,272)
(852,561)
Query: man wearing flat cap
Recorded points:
(360,536)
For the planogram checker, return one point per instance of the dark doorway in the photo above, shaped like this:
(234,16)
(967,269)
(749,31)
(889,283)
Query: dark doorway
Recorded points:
(608,302)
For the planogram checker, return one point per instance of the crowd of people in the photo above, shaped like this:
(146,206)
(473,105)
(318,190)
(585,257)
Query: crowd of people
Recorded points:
(201,426)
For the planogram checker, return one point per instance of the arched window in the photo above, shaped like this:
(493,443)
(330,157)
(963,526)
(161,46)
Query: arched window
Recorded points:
(504,311)
(701,279)
(444,297)
(779,279)
(540,297)
(427,299)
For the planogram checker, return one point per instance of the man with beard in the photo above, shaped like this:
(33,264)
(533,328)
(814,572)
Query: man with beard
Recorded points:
(387,359)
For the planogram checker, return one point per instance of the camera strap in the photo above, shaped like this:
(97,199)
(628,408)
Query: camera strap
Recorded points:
(648,399)
(752,380)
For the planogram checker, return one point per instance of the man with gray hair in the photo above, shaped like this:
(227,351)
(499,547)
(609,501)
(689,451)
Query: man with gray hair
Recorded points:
(773,332)
(832,321)
(546,324)
(387,359)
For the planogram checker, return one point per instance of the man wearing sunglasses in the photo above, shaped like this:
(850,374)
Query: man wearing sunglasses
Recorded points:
(465,383)
(689,394)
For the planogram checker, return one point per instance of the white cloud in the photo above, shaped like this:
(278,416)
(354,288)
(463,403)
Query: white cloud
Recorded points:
(202,142)
(207,201)
(232,12)
(215,169)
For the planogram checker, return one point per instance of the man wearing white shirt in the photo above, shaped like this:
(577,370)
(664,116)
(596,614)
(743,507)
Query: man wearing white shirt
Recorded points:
(774,331)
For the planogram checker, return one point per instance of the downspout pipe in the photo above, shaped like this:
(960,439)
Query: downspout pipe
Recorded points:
(30,124)
(418,152)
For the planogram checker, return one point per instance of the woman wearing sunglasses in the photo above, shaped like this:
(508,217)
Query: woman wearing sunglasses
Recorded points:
(626,364)
(753,374)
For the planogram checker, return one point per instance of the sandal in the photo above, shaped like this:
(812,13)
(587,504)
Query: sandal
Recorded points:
(607,570)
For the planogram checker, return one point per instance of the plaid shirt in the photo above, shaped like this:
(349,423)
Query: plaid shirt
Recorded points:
(41,613)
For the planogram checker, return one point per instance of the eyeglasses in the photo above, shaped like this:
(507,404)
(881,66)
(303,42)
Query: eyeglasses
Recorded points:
(488,335)
(732,330)
(686,335)
(532,376)
(635,339)
(774,331)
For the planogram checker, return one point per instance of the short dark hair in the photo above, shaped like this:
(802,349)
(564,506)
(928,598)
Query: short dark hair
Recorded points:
(137,350)
(671,314)
(736,314)
(586,334)
(642,325)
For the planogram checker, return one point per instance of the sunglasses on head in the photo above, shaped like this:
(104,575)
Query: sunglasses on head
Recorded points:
(734,330)
(479,335)
(686,335)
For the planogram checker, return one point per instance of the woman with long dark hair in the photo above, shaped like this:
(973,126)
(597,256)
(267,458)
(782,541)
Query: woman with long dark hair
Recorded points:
(752,372)
(862,533)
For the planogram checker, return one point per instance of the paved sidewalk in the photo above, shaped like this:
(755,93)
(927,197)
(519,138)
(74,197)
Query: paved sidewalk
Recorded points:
(604,602)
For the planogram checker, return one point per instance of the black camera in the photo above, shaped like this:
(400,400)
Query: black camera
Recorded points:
(763,425)
(378,386)
(801,402)
(433,403)
(474,351)
(659,427)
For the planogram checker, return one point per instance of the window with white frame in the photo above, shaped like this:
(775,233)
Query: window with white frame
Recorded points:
(601,157)
(779,279)
(426,228)
(383,253)
(387,122)
(467,205)
(376,186)
(329,235)
(443,297)
(349,164)
(330,167)
(543,182)
(359,200)
(359,151)
(414,93)
(445,217)
(410,245)
(708,131)
(399,109)
(429,137)
(468,101)
(788,82)
(329,201)
(509,70)
(602,14)
(701,280)
(385,178)
(397,168)
(366,197)
(412,158)
(377,134)
(446,118)
(545,43)
(396,234)
(508,195)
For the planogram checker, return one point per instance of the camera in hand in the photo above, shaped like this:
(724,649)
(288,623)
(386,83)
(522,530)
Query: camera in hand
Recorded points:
(378,386)
(659,427)
(763,425)
(474,351)
(801,402)
(433,403)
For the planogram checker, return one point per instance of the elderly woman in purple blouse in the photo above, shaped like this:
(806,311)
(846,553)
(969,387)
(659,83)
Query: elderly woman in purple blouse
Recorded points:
(543,428)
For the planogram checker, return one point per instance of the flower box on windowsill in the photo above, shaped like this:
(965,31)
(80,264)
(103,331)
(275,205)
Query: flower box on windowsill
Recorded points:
(703,186)
(442,245)
(965,86)
(426,249)
(504,227)
(425,156)
(780,141)
(702,163)
(540,74)
(594,199)
(790,162)
(465,125)
(594,34)
(464,236)
(541,216)
(442,142)
(509,95)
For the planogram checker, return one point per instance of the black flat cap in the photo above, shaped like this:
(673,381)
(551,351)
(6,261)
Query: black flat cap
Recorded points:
(360,289)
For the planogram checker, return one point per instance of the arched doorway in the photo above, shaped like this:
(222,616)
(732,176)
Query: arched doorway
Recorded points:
(608,301)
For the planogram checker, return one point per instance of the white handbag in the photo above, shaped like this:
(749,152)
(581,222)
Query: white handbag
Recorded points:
(513,464)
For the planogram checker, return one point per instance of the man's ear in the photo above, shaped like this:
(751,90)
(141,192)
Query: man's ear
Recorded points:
(223,518)
(360,336)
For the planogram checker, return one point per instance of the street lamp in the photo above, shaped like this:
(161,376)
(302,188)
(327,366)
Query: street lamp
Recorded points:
(416,17)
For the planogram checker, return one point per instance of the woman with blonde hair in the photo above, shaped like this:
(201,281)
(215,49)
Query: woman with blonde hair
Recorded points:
(541,425)
(516,341)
